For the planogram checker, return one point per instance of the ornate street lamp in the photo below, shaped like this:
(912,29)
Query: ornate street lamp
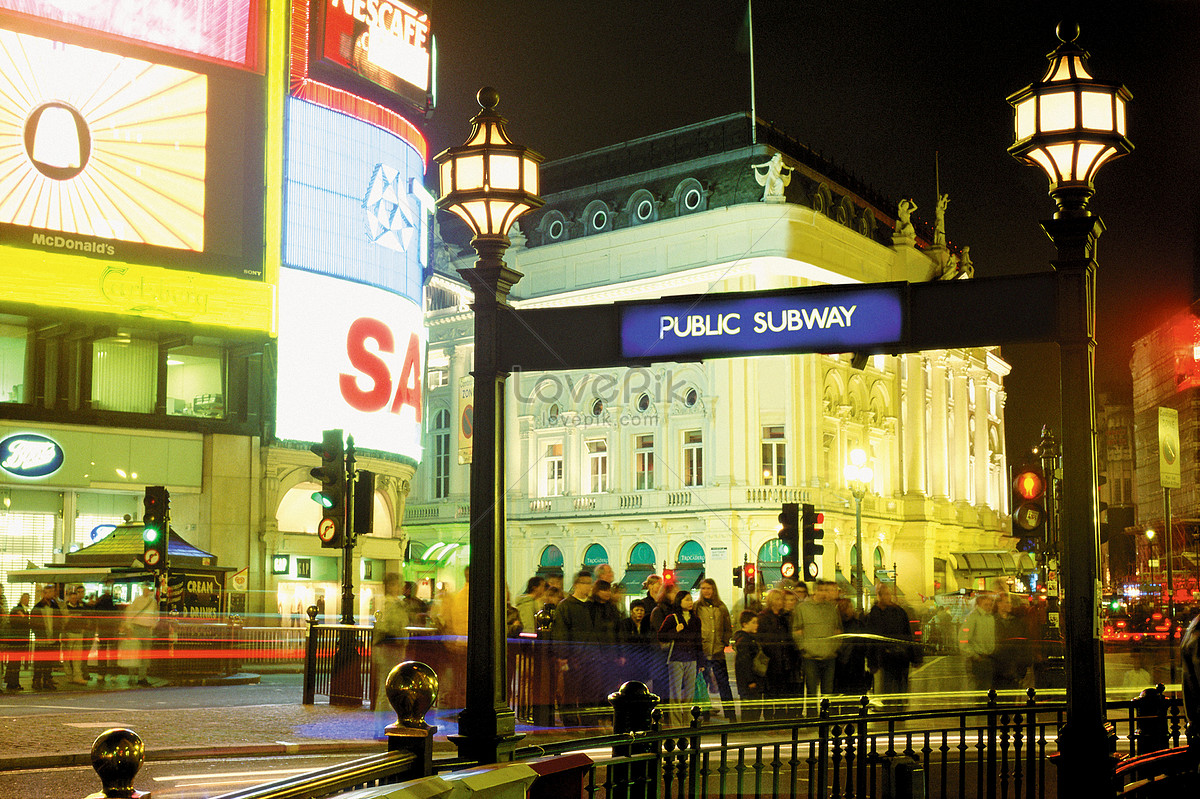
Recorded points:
(488,182)
(1070,124)
(859,476)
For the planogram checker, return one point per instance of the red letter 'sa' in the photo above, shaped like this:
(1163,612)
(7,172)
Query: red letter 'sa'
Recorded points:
(408,387)
(369,364)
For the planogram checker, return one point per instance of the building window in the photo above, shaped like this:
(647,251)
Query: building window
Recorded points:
(597,466)
(438,378)
(774,457)
(644,462)
(693,458)
(441,454)
(553,471)
(124,374)
(196,381)
(12,362)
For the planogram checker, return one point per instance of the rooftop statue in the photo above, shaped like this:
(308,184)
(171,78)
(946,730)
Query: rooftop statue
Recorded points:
(939,221)
(773,176)
(904,226)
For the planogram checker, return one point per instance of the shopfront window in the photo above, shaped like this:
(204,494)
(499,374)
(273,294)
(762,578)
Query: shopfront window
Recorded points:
(12,362)
(196,381)
(124,373)
(552,465)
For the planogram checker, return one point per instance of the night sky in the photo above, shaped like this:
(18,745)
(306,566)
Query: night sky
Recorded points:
(886,89)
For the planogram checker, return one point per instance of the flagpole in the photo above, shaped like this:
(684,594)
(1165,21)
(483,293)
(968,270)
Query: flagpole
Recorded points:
(753,105)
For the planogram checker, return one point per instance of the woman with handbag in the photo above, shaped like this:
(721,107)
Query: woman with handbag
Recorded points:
(681,633)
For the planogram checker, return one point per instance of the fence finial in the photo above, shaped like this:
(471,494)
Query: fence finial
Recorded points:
(117,755)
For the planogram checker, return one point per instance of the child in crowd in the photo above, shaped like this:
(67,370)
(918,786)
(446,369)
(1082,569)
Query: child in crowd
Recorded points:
(749,681)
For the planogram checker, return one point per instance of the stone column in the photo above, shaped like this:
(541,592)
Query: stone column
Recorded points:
(938,451)
(960,442)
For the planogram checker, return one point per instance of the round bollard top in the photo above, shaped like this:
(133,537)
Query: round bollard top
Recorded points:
(412,689)
(117,755)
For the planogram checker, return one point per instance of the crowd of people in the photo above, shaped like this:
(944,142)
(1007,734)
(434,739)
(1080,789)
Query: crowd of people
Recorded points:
(787,655)
(65,632)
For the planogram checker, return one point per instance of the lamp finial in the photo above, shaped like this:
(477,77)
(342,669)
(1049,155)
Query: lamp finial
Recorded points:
(488,99)
(1067,31)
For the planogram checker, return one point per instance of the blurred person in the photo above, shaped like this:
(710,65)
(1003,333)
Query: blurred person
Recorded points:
(716,631)
(454,607)
(414,606)
(1138,677)
(680,632)
(775,638)
(17,642)
(620,600)
(137,644)
(663,607)
(604,572)
(850,672)
(816,626)
(801,592)
(639,645)
(1011,657)
(892,657)
(389,638)
(745,650)
(45,620)
(571,633)
(108,629)
(978,643)
(513,626)
(530,602)
(454,621)
(76,626)
(605,655)
(653,585)
(1189,656)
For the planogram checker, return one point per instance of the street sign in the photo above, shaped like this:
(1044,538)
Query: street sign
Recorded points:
(327,529)
(1168,448)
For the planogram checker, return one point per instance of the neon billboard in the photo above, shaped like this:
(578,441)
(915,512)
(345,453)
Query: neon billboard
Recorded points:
(122,156)
(224,31)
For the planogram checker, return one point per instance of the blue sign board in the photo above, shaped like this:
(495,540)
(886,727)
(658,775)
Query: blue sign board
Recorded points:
(824,320)
(30,455)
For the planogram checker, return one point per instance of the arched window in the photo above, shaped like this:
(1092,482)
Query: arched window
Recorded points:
(441,454)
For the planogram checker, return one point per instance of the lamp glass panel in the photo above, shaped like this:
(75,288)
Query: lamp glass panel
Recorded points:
(447,180)
(1063,156)
(1120,115)
(482,136)
(478,213)
(468,173)
(1056,111)
(1088,159)
(1097,110)
(1061,71)
(1080,68)
(504,171)
(1025,118)
(531,175)
(1043,160)
(1108,154)
(462,213)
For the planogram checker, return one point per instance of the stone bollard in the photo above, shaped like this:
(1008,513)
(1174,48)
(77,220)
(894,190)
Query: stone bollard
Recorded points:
(412,691)
(633,714)
(117,755)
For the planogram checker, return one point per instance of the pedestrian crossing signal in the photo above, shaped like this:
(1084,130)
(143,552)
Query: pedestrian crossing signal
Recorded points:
(1028,502)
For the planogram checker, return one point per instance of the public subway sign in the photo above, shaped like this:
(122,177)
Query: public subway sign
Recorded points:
(824,319)
(29,456)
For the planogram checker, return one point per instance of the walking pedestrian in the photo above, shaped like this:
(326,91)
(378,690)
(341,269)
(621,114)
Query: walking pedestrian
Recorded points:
(46,623)
(716,630)
(893,656)
(775,637)
(571,633)
(851,676)
(1011,656)
(389,638)
(108,631)
(76,626)
(979,643)
(639,645)
(816,626)
(137,642)
(604,652)
(680,632)
(17,640)
(530,602)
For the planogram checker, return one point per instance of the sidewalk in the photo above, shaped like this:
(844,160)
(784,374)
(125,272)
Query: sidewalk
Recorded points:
(43,729)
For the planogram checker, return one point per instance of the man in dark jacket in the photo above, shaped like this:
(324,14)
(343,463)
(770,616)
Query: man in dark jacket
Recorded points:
(893,656)
(571,634)
(46,623)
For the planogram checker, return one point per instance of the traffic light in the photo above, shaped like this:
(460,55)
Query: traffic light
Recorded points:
(737,576)
(364,502)
(789,541)
(751,587)
(1028,505)
(156,521)
(813,533)
(332,496)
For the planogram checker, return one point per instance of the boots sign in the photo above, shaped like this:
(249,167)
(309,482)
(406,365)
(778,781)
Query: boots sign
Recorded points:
(351,356)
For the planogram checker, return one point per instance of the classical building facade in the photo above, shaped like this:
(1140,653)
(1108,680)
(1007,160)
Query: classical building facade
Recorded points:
(685,465)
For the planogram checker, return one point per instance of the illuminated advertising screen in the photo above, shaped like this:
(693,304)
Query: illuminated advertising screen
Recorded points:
(123,157)
(218,30)
(368,44)
(355,204)
(350,356)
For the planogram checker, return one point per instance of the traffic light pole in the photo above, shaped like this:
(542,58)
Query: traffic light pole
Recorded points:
(348,538)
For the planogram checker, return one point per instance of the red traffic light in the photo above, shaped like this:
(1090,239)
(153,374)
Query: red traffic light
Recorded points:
(749,571)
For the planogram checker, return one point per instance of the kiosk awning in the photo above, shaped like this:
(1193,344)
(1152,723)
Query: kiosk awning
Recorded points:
(79,574)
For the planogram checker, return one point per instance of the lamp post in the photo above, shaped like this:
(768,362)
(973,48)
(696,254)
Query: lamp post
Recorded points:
(488,182)
(859,476)
(1070,124)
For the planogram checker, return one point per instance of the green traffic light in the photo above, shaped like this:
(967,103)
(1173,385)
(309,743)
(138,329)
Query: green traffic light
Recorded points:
(151,535)
(785,550)
(322,499)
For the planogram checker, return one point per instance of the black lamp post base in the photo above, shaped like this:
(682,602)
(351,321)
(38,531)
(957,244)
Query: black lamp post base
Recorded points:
(1086,759)
(487,749)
